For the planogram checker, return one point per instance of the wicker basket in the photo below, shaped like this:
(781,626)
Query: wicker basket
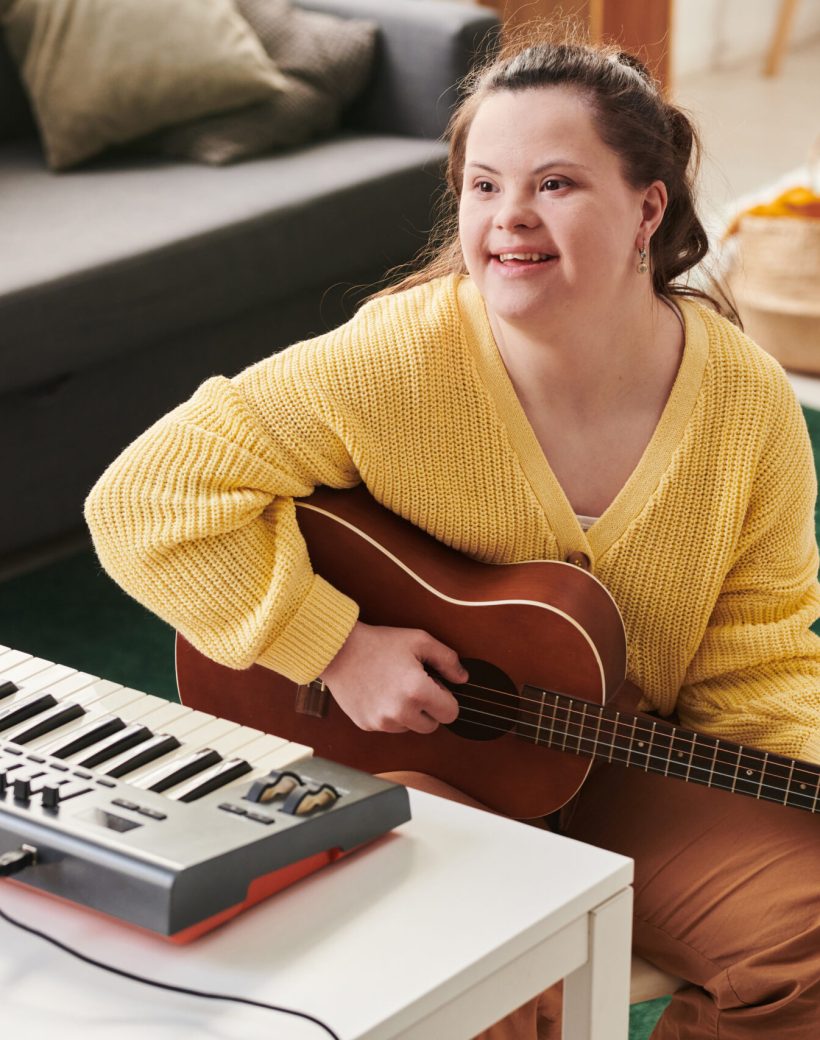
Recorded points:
(775,279)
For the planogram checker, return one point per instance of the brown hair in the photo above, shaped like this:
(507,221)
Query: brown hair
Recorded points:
(654,139)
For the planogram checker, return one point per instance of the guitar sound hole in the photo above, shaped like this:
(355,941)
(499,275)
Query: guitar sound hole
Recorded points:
(488,702)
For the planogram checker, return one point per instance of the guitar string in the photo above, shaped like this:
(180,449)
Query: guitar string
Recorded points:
(799,775)
(778,795)
(712,767)
(643,727)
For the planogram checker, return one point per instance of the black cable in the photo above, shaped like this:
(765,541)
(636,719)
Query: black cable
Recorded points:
(20,858)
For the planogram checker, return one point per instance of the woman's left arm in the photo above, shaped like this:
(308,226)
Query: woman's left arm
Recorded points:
(755,678)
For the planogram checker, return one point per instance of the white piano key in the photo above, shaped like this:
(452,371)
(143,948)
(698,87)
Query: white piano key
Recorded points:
(105,701)
(23,669)
(282,757)
(186,726)
(83,687)
(147,704)
(205,735)
(11,660)
(51,676)
(231,742)
(169,713)
(260,745)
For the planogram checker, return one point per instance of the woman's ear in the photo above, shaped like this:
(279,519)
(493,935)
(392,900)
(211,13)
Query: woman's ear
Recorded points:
(653,207)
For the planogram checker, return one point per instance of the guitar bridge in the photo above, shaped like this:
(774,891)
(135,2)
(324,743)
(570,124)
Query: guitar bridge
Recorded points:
(313,699)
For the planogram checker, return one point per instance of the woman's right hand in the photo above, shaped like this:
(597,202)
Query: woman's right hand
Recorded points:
(378,678)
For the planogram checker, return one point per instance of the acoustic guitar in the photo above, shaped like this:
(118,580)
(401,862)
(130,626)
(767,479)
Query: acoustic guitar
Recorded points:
(545,648)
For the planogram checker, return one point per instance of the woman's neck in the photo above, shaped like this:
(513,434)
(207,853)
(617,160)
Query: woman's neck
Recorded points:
(596,361)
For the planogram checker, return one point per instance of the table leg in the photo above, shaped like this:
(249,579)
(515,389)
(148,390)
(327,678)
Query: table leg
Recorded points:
(596,995)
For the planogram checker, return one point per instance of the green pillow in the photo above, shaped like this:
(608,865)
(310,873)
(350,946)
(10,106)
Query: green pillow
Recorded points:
(326,61)
(103,72)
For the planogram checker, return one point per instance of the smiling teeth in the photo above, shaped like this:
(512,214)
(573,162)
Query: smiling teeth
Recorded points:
(504,257)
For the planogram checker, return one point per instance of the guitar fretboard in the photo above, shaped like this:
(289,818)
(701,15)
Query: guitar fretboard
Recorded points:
(568,724)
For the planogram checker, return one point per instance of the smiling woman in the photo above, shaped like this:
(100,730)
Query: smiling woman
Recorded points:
(545,387)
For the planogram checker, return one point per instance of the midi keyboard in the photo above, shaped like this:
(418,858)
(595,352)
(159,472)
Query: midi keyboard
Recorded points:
(162,816)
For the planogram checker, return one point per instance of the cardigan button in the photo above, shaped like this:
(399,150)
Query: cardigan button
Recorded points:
(579,559)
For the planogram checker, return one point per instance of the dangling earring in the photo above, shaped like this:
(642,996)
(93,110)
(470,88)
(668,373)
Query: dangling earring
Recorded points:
(643,266)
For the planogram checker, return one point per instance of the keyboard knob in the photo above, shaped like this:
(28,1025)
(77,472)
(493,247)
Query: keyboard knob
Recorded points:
(51,796)
(276,784)
(302,801)
(22,790)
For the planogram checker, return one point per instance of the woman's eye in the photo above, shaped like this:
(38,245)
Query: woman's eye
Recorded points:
(484,186)
(554,183)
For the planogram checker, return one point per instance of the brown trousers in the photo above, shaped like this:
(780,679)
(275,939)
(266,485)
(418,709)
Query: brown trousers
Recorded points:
(727,896)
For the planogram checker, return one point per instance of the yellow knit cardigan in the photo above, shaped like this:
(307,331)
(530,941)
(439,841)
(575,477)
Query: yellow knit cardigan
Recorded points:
(708,550)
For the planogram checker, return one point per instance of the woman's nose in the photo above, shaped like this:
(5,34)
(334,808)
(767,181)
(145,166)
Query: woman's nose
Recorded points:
(516,210)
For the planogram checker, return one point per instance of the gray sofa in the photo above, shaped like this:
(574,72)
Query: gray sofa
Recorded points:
(125,283)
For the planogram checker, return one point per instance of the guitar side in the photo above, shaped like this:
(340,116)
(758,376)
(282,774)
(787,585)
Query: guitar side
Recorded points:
(544,623)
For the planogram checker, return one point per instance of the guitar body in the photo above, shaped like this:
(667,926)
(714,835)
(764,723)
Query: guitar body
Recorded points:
(546,624)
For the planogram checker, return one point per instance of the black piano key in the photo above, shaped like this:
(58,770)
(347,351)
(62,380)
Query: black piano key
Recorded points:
(212,780)
(126,738)
(7,688)
(46,721)
(171,773)
(142,754)
(85,736)
(19,711)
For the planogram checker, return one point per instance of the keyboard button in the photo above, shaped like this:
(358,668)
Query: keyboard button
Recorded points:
(259,818)
(237,810)
(123,803)
(152,814)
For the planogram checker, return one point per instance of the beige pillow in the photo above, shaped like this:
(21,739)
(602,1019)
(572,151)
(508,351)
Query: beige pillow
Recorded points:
(326,61)
(102,72)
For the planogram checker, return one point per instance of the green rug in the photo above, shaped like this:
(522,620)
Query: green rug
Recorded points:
(72,613)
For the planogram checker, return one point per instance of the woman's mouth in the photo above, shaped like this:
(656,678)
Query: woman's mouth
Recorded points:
(531,258)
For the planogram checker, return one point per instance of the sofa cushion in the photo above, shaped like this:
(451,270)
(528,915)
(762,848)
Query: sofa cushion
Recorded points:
(109,258)
(326,62)
(15,112)
(100,73)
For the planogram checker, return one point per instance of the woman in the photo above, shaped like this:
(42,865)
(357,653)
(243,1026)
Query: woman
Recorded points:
(544,388)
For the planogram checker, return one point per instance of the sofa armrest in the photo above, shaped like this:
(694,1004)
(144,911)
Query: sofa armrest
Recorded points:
(424,49)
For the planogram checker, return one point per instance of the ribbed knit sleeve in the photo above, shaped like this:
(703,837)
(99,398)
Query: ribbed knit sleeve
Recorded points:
(196,519)
(755,678)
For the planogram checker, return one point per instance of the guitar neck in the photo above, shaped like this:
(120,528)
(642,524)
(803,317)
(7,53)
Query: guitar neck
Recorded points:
(568,724)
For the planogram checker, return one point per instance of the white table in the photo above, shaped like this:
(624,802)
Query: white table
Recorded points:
(432,933)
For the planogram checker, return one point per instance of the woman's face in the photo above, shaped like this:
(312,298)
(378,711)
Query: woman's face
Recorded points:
(547,223)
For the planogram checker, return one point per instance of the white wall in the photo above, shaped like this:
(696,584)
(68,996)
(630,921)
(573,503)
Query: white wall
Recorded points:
(715,34)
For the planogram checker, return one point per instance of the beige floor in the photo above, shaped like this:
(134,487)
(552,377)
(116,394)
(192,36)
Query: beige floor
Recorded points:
(755,130)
